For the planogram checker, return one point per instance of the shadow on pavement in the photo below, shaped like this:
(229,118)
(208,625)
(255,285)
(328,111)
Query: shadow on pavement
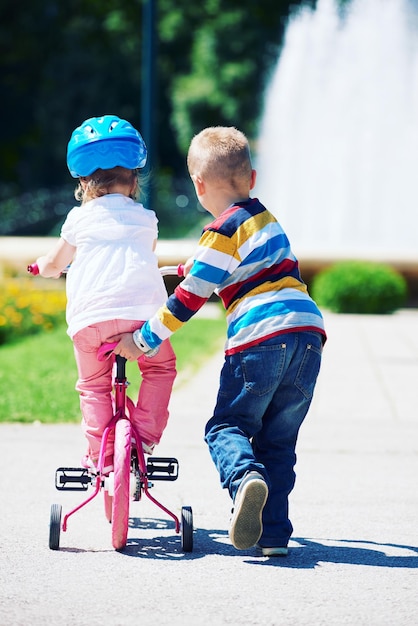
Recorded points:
(303,554)
(309,553)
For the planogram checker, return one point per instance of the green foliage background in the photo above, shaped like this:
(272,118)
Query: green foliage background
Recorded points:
(62,62)
(360,287)
(38,373)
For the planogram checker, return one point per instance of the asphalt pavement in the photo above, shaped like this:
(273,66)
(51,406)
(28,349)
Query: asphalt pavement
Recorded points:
(354,553)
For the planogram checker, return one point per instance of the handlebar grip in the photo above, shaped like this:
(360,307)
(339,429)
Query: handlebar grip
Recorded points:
(33,269)
(172,270)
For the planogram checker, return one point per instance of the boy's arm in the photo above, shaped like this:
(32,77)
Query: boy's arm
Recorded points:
(51,264)
(133,345)
(201,279)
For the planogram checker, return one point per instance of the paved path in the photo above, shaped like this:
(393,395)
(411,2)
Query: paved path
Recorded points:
(354,556)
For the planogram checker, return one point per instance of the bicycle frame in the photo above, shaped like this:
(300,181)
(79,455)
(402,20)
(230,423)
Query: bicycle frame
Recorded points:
(129,461)
(122,402)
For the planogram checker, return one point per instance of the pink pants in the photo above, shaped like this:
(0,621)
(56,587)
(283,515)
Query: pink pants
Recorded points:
(95,384)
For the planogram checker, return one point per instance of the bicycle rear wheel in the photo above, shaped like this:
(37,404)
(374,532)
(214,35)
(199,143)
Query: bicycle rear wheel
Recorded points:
(121,496)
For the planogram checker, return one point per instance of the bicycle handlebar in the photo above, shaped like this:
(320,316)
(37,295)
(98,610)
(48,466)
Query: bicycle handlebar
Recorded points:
(106,349)
(33,269)
(165,270)
(172,270)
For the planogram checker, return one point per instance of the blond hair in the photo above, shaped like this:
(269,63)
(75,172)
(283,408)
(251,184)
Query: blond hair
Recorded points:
(220,153)
(102,182)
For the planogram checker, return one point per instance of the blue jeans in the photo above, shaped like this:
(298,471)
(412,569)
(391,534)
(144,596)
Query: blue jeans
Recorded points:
(264,395)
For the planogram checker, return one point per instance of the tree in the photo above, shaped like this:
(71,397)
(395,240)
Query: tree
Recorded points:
(229,59)
(62,62)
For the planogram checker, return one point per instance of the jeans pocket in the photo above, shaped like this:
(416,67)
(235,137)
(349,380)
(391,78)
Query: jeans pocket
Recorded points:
(309,370)
(88,339)
(262,367)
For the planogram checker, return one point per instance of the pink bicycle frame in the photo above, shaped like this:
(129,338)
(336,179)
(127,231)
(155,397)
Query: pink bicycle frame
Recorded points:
(123,408)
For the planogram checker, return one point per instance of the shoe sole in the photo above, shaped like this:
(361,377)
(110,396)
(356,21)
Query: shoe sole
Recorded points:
(246,524)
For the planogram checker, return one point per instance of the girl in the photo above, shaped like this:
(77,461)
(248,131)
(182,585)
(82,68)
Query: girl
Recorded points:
(114,283)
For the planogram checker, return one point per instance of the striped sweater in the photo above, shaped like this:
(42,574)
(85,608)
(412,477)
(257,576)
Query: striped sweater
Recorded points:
(244,256)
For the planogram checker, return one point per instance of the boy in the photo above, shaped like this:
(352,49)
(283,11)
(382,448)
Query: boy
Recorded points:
(274,339)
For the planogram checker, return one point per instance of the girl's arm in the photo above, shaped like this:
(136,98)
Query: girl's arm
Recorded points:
(52,264)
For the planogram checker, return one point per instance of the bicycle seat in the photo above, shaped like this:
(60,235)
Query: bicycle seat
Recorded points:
(106,350)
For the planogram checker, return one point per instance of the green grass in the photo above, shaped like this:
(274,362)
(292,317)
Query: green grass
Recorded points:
(38,373)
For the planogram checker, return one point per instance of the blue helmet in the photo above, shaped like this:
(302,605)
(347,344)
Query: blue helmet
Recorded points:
(102,143)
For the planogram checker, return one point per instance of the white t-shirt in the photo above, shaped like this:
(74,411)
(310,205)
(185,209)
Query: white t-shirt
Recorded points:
(115,272)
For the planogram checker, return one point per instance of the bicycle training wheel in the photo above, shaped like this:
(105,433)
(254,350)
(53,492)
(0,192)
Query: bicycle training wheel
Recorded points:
(186,529)
(55,526)
(121,496)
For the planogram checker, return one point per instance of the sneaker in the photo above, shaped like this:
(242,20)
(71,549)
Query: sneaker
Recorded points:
(148,448)
(246,523)
(274,551)
(88,463)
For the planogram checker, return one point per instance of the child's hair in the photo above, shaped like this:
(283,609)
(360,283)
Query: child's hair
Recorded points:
(102,182)
(220,152)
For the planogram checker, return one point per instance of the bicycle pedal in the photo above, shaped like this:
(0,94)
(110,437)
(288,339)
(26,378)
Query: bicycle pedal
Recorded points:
(162,468)
(72,479)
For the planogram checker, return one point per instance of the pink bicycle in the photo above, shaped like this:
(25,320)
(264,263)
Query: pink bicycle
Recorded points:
(132,475)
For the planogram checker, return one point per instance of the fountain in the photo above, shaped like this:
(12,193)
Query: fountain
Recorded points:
(337,156)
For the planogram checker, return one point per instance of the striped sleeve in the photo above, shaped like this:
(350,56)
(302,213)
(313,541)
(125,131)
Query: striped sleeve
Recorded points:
(215,259)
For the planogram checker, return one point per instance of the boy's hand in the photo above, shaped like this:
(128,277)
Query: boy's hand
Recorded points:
(126,346)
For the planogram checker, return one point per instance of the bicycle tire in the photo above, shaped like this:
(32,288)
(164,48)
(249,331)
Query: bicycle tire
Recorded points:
(121,495)
(55,526)
(186,529)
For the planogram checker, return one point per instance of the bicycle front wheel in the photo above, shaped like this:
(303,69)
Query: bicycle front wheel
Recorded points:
(121,496)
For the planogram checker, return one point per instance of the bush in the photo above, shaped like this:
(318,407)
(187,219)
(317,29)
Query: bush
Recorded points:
(359,287)
(28,307)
